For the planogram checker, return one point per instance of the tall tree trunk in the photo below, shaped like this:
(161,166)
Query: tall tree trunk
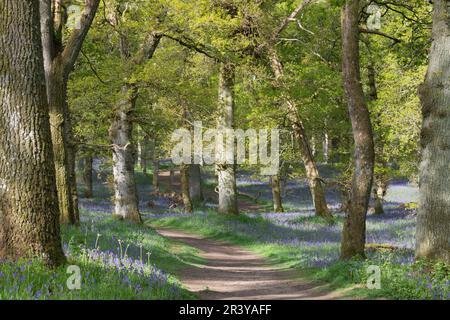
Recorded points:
(195,183)
(59,59)
(354,232)
(126,204)
(29,212)
(433,223)
(226,173)
(184,173)
(276,193)
(87,176)
(120,132)
(380,180)
(312,174)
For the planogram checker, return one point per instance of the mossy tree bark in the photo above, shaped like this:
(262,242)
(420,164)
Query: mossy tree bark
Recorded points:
(433,223)
(59,59)
(29,213)
(354,232)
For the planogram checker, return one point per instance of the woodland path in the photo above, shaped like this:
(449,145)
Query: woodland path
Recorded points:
(231,272)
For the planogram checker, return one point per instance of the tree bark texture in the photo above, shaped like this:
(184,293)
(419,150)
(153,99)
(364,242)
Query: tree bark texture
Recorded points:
(433,221)
(354,231)
(29,213)
(120,132)
(226,173)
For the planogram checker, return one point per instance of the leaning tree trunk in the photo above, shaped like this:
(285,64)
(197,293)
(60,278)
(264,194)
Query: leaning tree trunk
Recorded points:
(120,132)
(184,173)
(226,172)
(87,176)
(433,223)
(354,232)
(276,193)
(29,212)
(195,183)
(312,174)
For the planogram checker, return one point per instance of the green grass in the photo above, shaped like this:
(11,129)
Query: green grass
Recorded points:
(117,260)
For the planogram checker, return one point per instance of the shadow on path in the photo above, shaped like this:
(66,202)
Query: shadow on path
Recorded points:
(234,273)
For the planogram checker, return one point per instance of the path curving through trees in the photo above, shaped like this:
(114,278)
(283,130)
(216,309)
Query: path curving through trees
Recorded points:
(231,272)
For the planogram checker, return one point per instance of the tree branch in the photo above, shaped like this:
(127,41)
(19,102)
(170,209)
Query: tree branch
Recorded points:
(75,42)
(290,18)
(200,48)
(396,40)
(91,66)
(148,48)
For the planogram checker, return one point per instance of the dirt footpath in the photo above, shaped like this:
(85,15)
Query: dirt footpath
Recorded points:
(234,273)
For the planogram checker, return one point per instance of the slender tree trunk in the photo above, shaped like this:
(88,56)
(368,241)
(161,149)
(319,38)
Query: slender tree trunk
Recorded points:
(380,179)
(354,232)
(326,147)
(72,155)
(312,174)
(184,173)
(155,169)
(29,212)
(276,193)
(195,183)
(125,191)
(433,223)
(144,153)
(56,90)
(226,173)
(87,176)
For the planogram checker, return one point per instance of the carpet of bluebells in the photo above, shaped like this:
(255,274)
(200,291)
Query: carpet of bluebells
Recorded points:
(119,260)
(116,260)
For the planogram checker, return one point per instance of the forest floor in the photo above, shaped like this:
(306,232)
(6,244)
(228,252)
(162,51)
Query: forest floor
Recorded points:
(237,257)
(230,272)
